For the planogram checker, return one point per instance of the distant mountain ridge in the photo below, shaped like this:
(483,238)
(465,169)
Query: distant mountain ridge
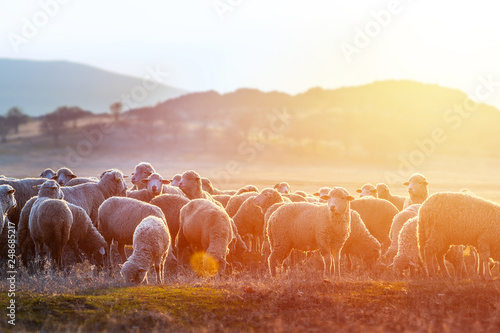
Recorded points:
(39,87)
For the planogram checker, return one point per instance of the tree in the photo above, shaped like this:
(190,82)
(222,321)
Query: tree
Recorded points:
(15,117)
(4,129)
(54,123)
(116,109)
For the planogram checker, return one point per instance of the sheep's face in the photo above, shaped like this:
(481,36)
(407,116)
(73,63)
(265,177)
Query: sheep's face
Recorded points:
(176,180)
(142,171)
(338,200)
(7,200)
(417,186)
(50,189)
(190,183)
(323,192)
(48,174)
(155,183)
(132,274)
(115,182)
(383,191)
(207,186)
(267,198)
(282,187)
(63,176)
(367,190)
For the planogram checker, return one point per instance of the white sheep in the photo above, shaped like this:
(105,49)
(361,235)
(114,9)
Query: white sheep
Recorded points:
(449,218)
(176,180)
(367,190)
(47,173)
(191,185)
(63,175)
(209,188)
(171,205)
(322,193)
(151,243)
(385,193)
(141,171)
(283,188)
(154,187)
(7,202)
(417,189)
(236,201)
(309,227)
(25,189)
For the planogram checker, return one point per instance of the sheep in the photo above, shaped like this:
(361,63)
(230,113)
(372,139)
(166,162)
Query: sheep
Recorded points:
(236,201)
(154,187)
(141,171)
(119,216)
(81,180)
(397,223)
(25,189)
(308,227)
(417,189)
(295,197)
(283,188)
(385,193)
(47,173)
(367,190)
(209,188)
(63,175)
(151,243)
(377,214)
(449,218)
(361,242)
(171,205)
(176,180)
(191,186)
(7,202)
(90,196)
(247,188)
(50,221)
(222,198)
(206,227)
(322,193)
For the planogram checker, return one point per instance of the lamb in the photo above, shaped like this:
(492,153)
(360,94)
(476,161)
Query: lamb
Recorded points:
(283,188)
(47,173)
(385,193)
(142,171)
(210,189)
(64,175)
(367,190)
(7,202)
(176,180)
(154,187)
(206,227)
(322,193)
(377,214)
(247,188)
(119,216)
(449,218)
(308,227)
(417,189)
(151,243)
(171,205)
(236,201)
(50,221)
(361,243)
(397,223)
(90,196)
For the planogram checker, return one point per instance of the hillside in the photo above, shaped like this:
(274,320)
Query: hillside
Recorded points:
(39,87)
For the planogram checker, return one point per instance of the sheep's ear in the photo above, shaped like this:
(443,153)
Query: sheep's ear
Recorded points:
(125,176)
(141,270)
(350,198)
(276,186)
(120,265)
(54,178)
(325,197)
(11,191)
(165,182)
(37,186)
(316,194)
(102,251)
(358,190)
(375,191)
(72,176)
(406,183)
(426,183)
(145,181)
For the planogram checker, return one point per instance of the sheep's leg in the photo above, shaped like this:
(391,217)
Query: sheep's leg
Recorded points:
(336,263)
(484,256)
(327,262)
(429,258)
(277,257)
(121,250)
(157,270)
(442,266)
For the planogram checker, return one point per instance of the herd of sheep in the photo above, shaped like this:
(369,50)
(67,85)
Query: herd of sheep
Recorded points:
(167,222)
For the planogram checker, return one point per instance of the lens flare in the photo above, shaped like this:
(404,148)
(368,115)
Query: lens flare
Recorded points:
(204,264)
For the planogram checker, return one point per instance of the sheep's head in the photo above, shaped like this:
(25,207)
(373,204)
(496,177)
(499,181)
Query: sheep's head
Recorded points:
(323,192)
(63,175)
(155,183)
(190,183)
(114,181)
(283,188)
(100,255)
(417,186)
(176,180)
(50,189)
(132,273)
(367,190)
(267,198)
(338,200)
(372,255)
(383,191)
(47,173)
(7,201)
(248,188)
(142,171)
(207,186)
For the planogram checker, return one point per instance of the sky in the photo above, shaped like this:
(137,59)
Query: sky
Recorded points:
(282,45)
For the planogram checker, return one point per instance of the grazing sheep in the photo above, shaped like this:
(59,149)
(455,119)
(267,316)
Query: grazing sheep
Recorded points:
(210,189)
(367,190)
(417,189)
(50,221)
(397,223)
(90,196)
(63,175)
(176,180)
(385,193)
(171,205)
(283,188)
(247,188)
(154,187)
(118,218)
(206,227)
(407,255)
(222,198)
(377,214)
(151,243)
(236,201)
(449,218)
(361,243)
(7,202)
(141,171)
(308,227)
(81,180)
(322,193)
(47,173)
